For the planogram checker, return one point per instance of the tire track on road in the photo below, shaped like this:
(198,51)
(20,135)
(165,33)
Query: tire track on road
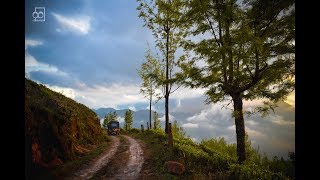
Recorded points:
(131,170)
(99,162)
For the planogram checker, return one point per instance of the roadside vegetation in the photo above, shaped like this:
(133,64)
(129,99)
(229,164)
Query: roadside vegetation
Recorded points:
(211,158)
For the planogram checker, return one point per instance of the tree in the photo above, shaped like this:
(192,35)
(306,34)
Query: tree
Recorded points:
(246,50)
(161,17)
(149,86)
(113,116)
(177,130)
(106,120)
(128,120)
(156,120)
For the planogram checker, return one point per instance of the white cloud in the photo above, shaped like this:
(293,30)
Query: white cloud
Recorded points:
(79,24)
(186,93)
(163,118)
(233,127)
(31,43)
(252,104)
(101,121)
(190,125)
(31,64)
(112,95)
(120,119)
(68,92)
(211,111)
(30,61)
(282,122)
(253,133)
(153,107)
(178,103)
(132,108)
(194,139)
(251,122)
(98,96)
(202,116)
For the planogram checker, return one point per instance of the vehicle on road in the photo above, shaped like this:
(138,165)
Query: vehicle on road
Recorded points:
(113,128)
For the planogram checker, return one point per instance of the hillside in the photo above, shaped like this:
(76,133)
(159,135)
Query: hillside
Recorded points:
(212,158)
(57,128)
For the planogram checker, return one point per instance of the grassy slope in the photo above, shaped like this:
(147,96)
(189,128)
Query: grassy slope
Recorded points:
(210,159)
(57,129)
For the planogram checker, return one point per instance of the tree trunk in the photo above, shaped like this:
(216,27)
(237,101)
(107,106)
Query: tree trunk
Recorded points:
(167,113)
(167,84)
(150,111)
(170,139)
(240,129)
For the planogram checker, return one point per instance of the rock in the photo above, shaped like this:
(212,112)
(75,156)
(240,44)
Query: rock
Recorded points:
(174,167)
(55,162)
(36,153)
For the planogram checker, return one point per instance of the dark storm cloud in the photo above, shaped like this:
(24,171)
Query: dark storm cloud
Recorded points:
(95,41)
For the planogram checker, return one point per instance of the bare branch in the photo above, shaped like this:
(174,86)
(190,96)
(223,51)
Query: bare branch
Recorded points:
(268,24)
(175,89)
(212,29)
(247,67)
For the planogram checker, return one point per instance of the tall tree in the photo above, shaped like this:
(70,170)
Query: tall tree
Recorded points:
(128,118)
(149,85)
(247,52)
(106,120)
(161,17)
(156,120)
(113,116)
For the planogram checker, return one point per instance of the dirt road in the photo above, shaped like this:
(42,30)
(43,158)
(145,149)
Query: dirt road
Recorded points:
(121,160)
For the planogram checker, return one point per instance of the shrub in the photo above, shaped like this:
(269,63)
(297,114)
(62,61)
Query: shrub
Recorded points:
(253,171)
(212,157)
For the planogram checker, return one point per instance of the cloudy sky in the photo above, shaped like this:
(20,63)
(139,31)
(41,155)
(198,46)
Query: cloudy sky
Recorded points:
(90,50)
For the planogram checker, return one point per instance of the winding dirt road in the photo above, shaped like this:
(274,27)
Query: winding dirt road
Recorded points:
(121,160)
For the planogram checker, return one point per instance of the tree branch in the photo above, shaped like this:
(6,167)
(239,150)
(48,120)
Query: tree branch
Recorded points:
(175,89)
(219,23)
(212,29)
(268,24)
(256,71)
(247,67)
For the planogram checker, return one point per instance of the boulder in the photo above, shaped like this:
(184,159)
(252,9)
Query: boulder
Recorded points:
(55,162)
(174,167)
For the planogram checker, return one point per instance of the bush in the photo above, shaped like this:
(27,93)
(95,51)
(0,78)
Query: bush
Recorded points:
(253,171)
(212,157)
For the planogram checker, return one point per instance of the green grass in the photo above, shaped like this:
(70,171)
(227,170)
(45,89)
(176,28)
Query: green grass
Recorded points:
(122,139)
(211,158)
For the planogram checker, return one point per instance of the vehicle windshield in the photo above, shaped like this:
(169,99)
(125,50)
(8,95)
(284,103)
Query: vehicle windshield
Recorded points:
(114,125)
